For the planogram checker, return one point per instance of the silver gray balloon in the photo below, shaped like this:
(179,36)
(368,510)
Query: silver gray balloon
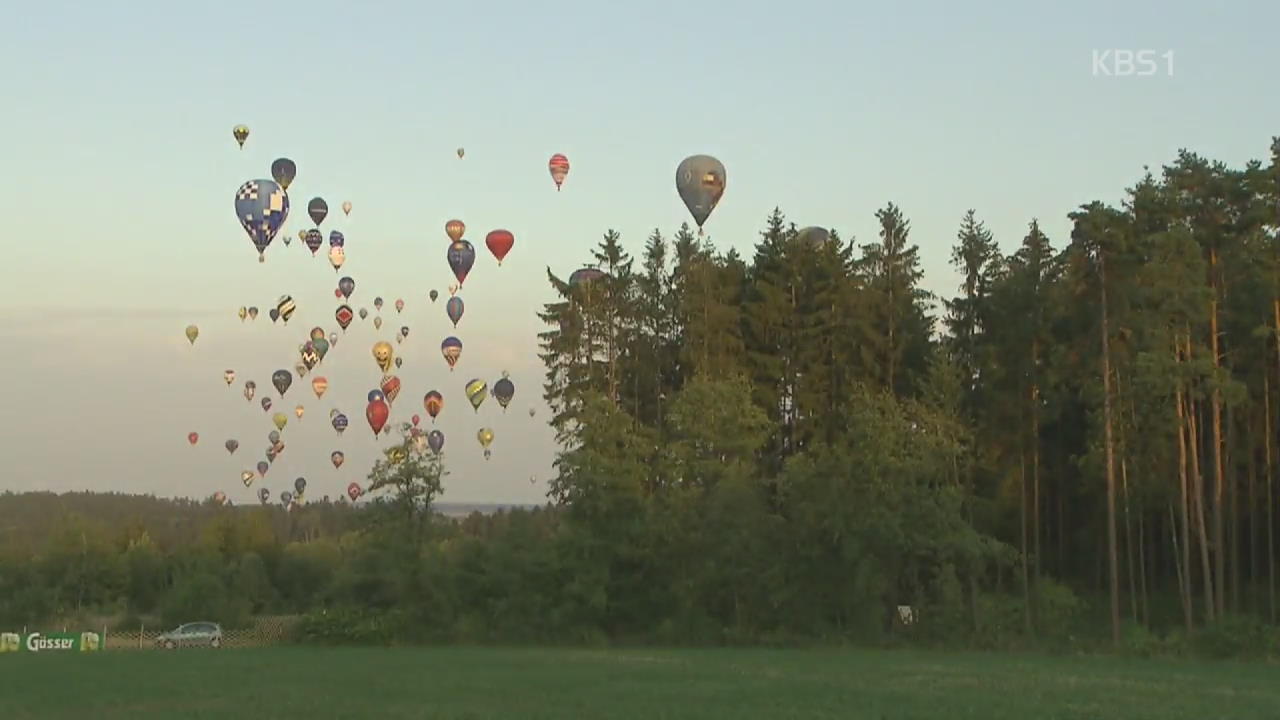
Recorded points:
(813,236)
(700,180)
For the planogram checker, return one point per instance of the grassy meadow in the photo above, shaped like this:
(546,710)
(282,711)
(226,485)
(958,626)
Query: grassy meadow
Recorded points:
(552,684)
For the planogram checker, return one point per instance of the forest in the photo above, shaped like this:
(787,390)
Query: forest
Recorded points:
(1076,449)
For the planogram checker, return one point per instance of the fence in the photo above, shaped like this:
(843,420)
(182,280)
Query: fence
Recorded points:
(264,631)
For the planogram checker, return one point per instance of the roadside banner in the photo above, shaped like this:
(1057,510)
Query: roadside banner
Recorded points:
(51,642)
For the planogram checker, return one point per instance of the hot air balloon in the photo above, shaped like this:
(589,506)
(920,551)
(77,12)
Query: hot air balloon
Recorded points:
(231,446)
(240,133)
(250,387)
(503,391)
(302,235)
(415,420)
(814,237)
(461,257)
(261,207)
(300,485)
(375,395)
(364,313)
(274,314)
(273,437)
(454,309)
(584,276)
(285,307)
(220,498)
(286,497)
(318,385)
(263,494)
(377,303)
(454,229)
(376,413)
(263,467)
(266,404)
(347,286)
(193,438)
(337,239)
(354,492)
(377,323)
(390,388)
(229,376)
(435,440)
(192,333)
(461,152)
(282,379)
(346,207)
(485,436)
(283,171)
(533,411)
(333,336)
(433,295)
(399,361)
(243,313)
(500,243)
(700,181)
(253,313)
(337,256)
(337,458)
(404,331)
(559,167)
(477,390)
(299,411)
(451,348)
(316,333)
(434,403)
(318,209)
(382,355)
(246,477)
(321,347)
(344,316)
(313,240)
(339,422)
(280,420)
(399,305)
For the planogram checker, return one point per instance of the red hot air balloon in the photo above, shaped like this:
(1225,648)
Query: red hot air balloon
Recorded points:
(500,242)
(559,167)
(415,420)
(193,438)
(376,414)
(354,492)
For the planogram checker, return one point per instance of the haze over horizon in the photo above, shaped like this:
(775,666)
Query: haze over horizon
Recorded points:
(120,173)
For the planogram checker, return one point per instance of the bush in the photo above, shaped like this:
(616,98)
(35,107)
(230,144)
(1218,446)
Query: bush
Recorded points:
(1233,636)
(350,626)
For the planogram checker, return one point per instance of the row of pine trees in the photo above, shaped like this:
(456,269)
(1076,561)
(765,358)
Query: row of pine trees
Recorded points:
(1111,396)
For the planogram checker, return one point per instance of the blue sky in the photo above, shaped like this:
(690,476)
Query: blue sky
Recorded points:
(120,170)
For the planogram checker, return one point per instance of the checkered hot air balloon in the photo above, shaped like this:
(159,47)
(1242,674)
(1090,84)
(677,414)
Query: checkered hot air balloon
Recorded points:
(261,207)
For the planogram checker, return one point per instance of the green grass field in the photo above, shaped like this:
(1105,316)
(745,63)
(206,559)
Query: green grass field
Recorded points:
(566,684)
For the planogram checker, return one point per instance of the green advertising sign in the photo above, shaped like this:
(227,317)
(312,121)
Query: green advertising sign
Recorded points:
(47,642)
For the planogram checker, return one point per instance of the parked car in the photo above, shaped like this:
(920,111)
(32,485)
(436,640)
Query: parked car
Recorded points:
(196,634)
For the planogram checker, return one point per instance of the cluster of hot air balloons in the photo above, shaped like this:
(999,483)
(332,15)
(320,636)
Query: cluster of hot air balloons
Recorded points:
(262,208)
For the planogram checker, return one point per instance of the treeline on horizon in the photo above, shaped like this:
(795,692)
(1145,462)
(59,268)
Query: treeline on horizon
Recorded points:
(1078,448)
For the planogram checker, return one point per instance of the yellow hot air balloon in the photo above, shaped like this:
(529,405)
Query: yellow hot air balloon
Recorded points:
(377,323)
(485,436)
(383,354)
(280,420)
(454,229)
(346,208)
(243,312)
(193,332)
(476,390)
(229,376)
(240,133)
(299,411)
(319,385)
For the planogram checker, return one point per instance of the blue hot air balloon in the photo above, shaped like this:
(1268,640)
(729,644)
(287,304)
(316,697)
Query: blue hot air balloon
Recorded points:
(261,207)
(336,239)
(461,257)
(376,395)
(454,309)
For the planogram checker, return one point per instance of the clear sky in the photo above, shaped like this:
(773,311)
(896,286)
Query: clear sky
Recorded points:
(118,172)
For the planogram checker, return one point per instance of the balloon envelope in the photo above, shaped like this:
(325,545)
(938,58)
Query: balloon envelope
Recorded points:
(283,171)
(461,257)
(700,181)
(261,207)
(318,209)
